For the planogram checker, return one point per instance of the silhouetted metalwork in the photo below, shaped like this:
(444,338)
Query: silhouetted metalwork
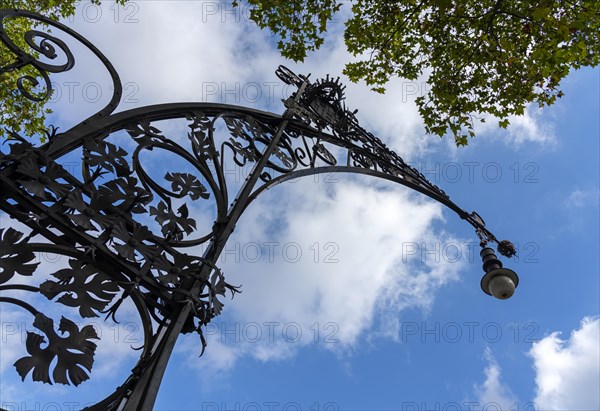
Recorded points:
(99,220)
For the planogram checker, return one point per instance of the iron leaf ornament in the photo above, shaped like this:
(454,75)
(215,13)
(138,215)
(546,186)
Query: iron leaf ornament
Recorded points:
(37,182)
(84,287)
(15,255)
(200,136)
(74,353)
(173,225)
(187,184)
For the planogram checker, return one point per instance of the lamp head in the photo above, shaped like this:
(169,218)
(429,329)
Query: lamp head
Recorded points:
(497,281)
(500,282)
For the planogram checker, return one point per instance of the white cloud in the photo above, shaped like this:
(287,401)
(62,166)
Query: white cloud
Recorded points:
(568,371)
(583,198)
(181,51)
(493,393)
(187,51)
(531,127)
(340,261)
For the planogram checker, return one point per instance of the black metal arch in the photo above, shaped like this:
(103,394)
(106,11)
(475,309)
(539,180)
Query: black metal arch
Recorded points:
(94,218)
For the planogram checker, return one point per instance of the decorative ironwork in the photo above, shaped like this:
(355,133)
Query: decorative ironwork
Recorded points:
(125,230)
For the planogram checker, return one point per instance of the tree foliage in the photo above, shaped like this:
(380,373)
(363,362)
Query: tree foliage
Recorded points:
(17,113)
(482,57)
(485,57)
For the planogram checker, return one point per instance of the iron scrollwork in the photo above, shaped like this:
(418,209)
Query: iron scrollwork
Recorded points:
(95,219)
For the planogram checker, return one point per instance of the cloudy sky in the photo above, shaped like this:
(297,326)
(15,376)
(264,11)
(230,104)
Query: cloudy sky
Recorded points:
(357,294)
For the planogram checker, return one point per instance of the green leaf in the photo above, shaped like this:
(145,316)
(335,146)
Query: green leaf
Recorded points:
(541,13)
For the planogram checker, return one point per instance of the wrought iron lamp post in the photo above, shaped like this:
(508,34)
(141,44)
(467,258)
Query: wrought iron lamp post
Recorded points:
(94,219)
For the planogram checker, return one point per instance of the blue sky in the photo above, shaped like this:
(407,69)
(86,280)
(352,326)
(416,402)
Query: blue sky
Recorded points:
(357,294)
